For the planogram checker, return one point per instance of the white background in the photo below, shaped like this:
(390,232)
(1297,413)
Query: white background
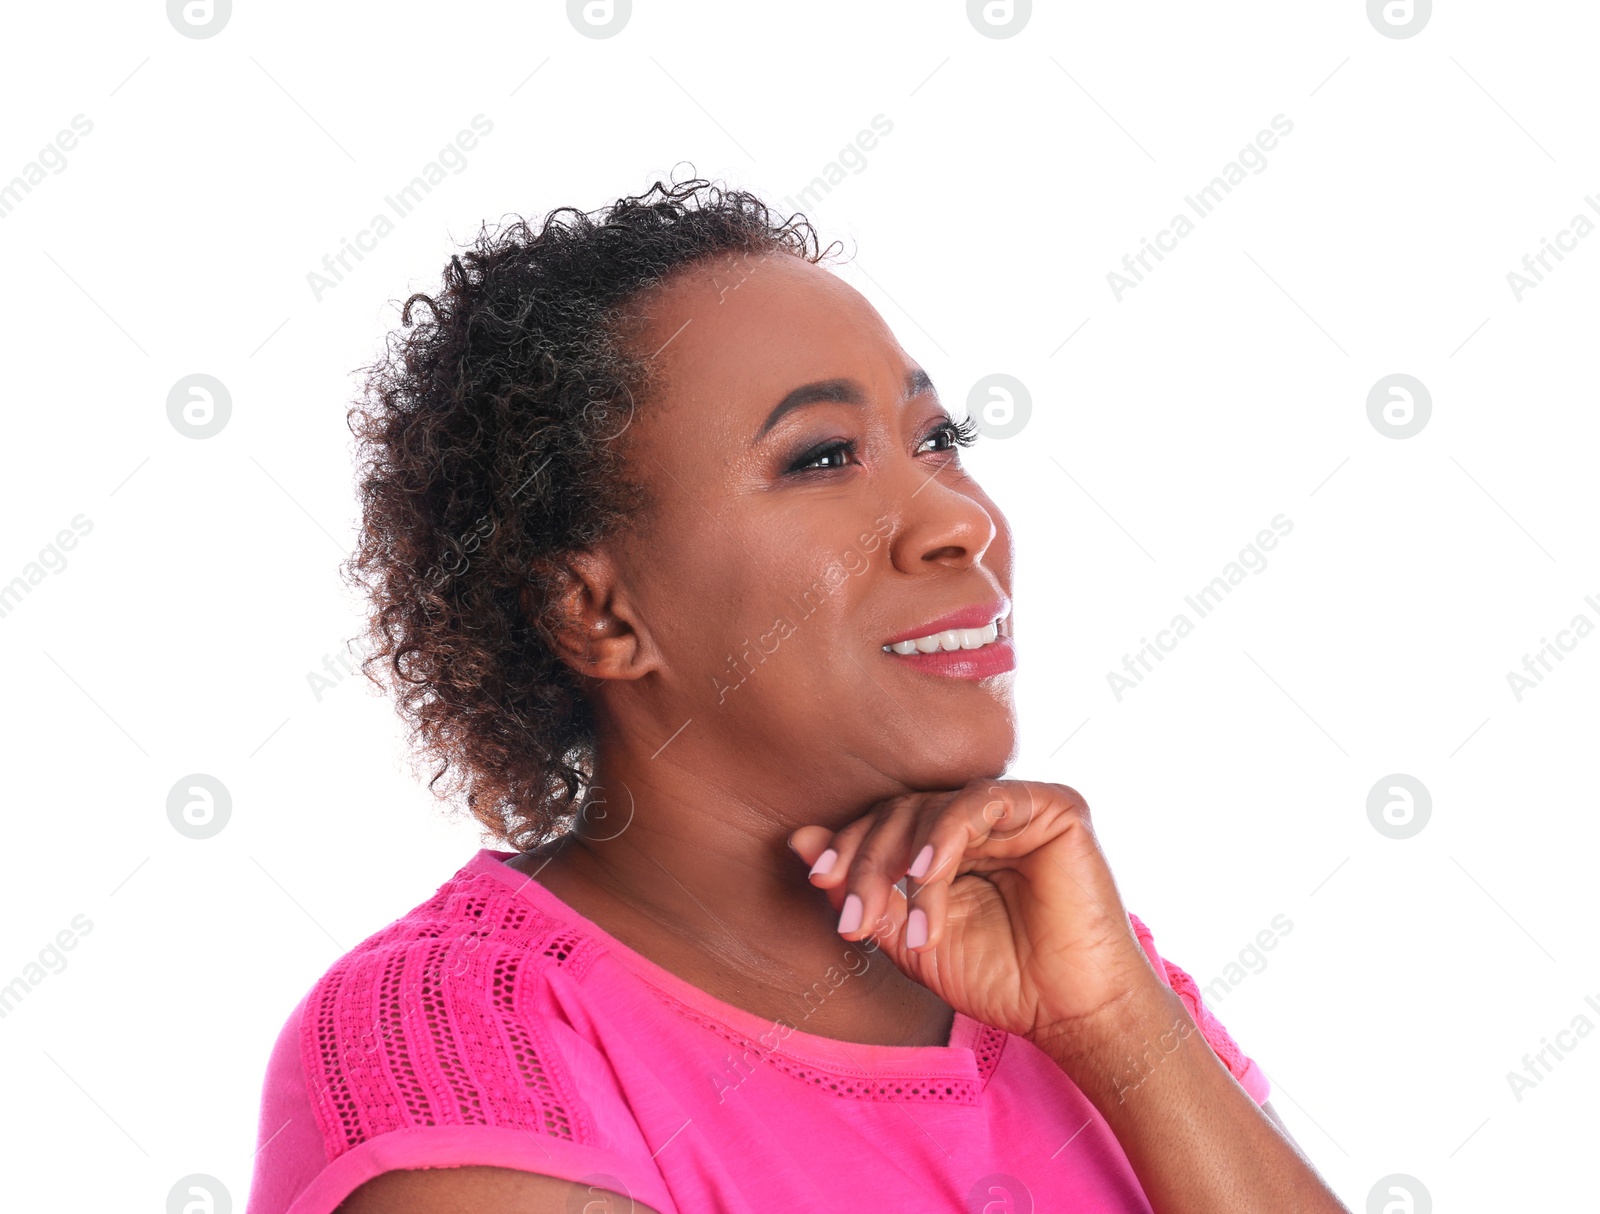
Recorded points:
(1230,386)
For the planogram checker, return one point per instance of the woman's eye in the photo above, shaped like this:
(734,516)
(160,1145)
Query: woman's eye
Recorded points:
(832,456)
(961,433)
(830,451)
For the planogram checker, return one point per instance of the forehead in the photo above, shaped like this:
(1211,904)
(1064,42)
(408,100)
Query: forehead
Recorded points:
(740,330)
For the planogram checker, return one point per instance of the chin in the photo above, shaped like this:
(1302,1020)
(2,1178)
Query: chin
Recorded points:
(973,757)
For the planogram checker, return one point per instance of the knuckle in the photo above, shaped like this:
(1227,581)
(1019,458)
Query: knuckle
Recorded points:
(867,865)
(850,836)
(1072,797)
(899,804)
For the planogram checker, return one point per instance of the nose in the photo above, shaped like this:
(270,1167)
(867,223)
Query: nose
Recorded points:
(942,519)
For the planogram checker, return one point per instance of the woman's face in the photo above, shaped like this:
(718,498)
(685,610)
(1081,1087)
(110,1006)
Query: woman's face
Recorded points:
(772,572)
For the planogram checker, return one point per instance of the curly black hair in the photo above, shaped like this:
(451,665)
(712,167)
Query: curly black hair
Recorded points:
(491,441)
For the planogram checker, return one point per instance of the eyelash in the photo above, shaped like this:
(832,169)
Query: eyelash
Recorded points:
(962,433)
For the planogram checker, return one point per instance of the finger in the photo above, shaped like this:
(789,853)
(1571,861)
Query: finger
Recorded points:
(983,815)
(819,847)
(926,910)
(888,932)
(874,863)
(830,867)
(809,842)
(941,845)
(988,819)
(943,842)
(809,845)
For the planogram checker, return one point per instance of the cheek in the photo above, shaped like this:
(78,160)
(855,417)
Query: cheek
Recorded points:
(722,619)
(799,619)
(784,636)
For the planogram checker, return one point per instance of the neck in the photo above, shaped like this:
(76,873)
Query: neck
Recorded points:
(702,883)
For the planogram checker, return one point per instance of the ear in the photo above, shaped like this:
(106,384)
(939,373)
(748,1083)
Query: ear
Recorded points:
(589,621)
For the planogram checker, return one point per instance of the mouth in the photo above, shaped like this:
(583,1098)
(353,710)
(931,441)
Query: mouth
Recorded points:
(973,643)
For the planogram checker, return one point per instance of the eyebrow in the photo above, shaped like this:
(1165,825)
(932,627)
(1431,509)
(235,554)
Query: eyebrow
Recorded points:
(840,391)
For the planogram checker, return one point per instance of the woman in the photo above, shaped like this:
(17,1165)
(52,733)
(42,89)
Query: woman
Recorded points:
(677,569)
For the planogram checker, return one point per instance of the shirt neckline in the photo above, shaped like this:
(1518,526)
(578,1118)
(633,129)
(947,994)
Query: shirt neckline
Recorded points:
(957,1059)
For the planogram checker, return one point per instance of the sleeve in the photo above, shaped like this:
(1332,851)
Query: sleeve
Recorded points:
(435,1057)
(1244,1068)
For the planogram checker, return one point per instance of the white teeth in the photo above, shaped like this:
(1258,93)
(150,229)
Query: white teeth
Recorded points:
(950,639)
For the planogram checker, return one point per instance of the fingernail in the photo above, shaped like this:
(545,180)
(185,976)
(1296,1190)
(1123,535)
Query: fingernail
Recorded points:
(920,864)
(850,917)
(916,927)
(824,862)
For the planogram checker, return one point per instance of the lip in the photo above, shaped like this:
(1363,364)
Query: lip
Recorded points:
(976,616)
(997,657)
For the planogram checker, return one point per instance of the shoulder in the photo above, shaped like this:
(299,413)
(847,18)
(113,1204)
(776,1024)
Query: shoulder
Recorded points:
(442,1041)
(440,1019)
(1241,1065)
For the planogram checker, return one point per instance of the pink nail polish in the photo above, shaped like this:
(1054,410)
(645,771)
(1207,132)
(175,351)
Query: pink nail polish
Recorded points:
(850,917)
(824,862)
(916,927)
(919,866)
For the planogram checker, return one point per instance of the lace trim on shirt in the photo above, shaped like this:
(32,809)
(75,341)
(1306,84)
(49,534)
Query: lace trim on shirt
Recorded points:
(931,1089)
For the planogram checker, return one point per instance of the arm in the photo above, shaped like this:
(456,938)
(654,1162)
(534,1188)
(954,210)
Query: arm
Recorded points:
(1266,1107)
(483,1191)
(1021,926)
(1196,1140)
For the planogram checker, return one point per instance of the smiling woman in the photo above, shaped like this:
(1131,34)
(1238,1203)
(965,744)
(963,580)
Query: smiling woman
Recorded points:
(677,421)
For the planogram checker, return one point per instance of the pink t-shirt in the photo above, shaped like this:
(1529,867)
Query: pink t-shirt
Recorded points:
(494,1025)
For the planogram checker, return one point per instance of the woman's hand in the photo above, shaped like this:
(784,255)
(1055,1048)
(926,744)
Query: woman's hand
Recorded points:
(1025,931)
(1012,917)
